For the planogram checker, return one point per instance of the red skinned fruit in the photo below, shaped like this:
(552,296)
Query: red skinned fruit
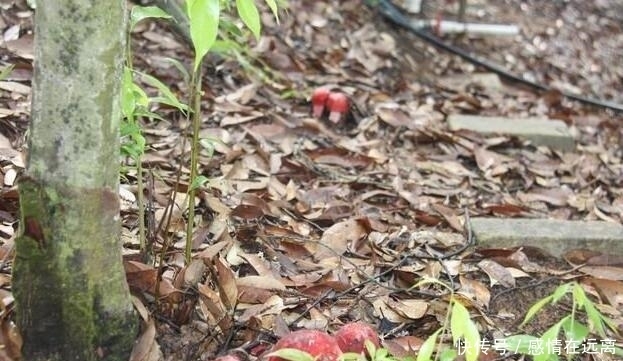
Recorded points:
(338,106)
(319,100)
(320,345)
(352,337)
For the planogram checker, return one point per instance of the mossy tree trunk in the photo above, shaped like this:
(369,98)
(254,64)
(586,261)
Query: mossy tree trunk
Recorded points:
(72,300)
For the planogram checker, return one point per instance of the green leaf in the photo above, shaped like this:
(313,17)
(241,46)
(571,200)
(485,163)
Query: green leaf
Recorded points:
(520,343)
(292,354)
(250,16)
(273,7)
(461,325)
(574,330)
(180,67)
(204,20)
(230,27)
(147,114)
(427,348)
(225,46)
(352,356)
(129,128)
(549,340)
(128,102)
(4,73)
(164,90)
(163,100)
(535,309)
(596,319)
(448,354)
(140,97)
(209,144)
(458,320)
(199,182)
(139,13)
(560,291)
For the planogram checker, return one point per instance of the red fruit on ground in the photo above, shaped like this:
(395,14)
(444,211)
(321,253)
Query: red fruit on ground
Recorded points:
(338,106)
(320,345)
(319,100)
(352,337)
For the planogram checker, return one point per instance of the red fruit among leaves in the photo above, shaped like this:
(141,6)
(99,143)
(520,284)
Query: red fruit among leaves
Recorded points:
(352,337)
(320,345)
(338,106)
(319,100)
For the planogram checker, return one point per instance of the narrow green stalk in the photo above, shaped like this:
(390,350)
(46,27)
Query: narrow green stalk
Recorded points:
(194,157)
(140,199)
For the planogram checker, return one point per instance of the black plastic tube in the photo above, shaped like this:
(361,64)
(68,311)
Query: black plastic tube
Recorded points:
(393,14)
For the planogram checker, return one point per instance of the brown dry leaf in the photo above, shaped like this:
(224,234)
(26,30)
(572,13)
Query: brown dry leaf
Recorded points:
(146,348)
(214,305)
(263,282)
(486,159)
(11,341)
(226,283)
(450,216)
(403,346)
(554,196)
(382,309)
(600,259)
(240,119)
(247,212)
(448,169)
(140,308)
(140,276)
(272,306)
(15,87)
(611,290)
(497,273)
(521,261)
(22,47)
(243,95)
(253,295)
(510,210)
(193,273)
(475,291)
(339,157)
(604,272)
(211,251)
(251,185)
(392,115)
(339,237)
(410,309)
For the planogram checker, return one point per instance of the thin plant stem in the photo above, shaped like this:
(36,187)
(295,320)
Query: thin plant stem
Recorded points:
(140,199)
(194,157)
(141,207)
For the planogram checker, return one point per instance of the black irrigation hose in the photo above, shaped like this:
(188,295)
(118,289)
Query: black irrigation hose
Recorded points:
(387,9)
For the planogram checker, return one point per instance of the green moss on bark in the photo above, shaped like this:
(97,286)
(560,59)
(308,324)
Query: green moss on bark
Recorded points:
(71,296)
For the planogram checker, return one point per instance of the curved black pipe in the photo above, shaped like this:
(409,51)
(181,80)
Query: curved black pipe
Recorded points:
(393,14)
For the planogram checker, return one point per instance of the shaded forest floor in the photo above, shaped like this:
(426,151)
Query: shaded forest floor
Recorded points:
(305,224)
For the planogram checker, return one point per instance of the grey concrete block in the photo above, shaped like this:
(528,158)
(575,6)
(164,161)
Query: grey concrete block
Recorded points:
(540,131)
(554,236)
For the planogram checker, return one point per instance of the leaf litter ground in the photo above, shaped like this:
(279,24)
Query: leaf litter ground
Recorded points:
(304,224)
